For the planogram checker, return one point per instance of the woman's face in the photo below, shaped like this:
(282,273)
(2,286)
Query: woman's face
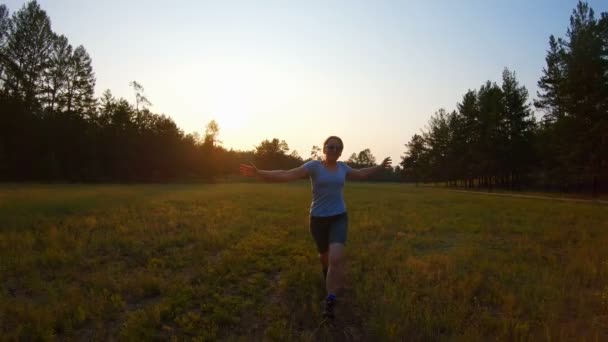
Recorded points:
(332,150)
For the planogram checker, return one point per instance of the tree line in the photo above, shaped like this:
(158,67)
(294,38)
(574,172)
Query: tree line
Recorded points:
(493,140)
(53,128)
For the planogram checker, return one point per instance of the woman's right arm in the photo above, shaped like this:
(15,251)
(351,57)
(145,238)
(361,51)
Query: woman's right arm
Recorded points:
(274,175)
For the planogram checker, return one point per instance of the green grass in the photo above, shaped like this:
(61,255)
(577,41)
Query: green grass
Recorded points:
(236,262)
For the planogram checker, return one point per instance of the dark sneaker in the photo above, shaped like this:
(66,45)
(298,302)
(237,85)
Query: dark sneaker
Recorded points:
(328,312)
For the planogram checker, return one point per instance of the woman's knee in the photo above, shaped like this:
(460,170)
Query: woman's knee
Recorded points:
(336,257)
(336,261)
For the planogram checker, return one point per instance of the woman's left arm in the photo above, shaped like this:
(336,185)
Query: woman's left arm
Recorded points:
(358,174)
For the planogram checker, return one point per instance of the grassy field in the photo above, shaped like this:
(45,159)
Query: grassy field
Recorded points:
(236,262)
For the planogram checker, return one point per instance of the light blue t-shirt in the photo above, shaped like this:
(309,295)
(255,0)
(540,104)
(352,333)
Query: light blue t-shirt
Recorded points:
(327,185)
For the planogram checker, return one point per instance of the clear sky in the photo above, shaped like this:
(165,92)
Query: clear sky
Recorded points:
(372,72)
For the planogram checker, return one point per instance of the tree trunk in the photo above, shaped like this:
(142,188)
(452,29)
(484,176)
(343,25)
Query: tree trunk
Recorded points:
(595,186)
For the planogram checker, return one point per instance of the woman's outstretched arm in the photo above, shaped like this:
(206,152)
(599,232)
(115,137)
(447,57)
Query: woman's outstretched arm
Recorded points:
(273,175)
(356,174)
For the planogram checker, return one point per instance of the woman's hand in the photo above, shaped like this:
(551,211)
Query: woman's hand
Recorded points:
(248,170)
(386,163)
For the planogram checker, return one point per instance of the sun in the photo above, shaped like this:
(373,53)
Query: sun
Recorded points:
(235,93)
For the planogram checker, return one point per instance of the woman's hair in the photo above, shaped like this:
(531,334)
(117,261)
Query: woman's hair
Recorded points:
(334,137)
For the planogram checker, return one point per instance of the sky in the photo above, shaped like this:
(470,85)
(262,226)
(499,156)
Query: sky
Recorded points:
(371,72)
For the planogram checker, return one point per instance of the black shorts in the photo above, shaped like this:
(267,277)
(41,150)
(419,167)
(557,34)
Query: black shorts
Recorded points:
(329,229)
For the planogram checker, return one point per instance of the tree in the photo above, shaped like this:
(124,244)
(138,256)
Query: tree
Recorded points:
(551,83)
(209,150)
(140,99)
(365,158)
(295,155)
(489,149)
(352,160)
(556,128)
(106,108)
(27,53)
(272,147)
(586,86)
(457,150)
(468,111)
(316,153)
(518,126)
(55,77)
(574,95)
(272,154)
(4,24)
(79,96)
(415,158)
(438,139)
(212,131)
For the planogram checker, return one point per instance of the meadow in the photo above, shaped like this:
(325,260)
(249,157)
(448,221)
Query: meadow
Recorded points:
(236,262)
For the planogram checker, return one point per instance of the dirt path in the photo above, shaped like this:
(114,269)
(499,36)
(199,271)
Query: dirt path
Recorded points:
(533,197)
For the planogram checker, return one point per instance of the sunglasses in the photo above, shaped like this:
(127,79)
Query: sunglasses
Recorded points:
(333,147)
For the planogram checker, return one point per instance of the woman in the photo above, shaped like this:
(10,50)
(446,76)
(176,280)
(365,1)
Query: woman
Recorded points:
(328,218)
